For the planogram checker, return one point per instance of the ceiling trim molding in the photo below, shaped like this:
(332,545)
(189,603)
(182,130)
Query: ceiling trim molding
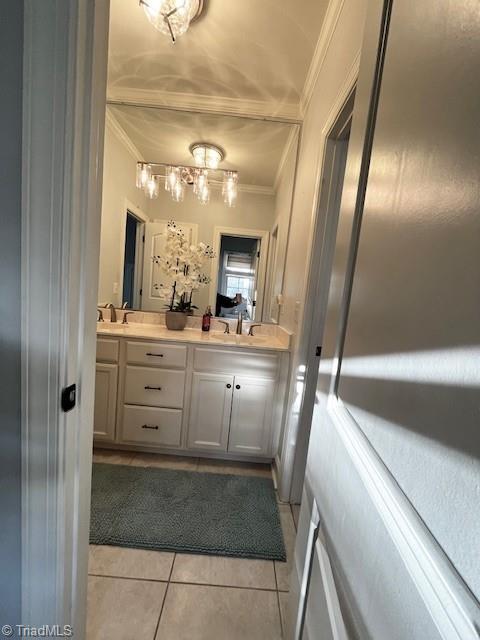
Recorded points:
(292,138)
(259,190)
(329,25)
(113,124)
(258,109)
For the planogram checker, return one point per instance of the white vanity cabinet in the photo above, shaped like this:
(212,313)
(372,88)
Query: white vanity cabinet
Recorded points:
(251,418)
(218,400)
(106,383)
(210,411)
(232,411)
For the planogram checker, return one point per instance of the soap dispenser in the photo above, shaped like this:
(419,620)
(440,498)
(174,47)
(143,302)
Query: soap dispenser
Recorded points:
(207,318)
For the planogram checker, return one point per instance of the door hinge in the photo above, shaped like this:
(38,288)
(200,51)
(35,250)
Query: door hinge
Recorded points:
(318,351)
(69,397)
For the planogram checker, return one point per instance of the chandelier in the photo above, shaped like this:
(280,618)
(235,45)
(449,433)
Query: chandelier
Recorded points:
(201,177)
(172,17)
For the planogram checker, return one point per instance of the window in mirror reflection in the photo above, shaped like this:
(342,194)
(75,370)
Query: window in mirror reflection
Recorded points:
(237,277)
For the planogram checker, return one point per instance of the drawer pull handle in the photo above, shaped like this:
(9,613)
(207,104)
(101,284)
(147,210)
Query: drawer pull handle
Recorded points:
(149,426)
(148,388)
(157,355)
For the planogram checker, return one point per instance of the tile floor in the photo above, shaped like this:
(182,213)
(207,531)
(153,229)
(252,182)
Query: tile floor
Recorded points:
(153,595)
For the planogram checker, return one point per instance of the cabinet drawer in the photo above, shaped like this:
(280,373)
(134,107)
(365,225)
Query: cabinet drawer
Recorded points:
(156,354)
(107,350)
(154,387)
(147,425)
(217,360)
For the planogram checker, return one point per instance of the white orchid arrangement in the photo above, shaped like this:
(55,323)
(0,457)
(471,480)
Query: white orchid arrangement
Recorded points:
(183,263)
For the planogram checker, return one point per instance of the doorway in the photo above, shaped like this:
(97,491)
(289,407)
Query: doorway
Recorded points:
(293,458)
(237,277)
(238,272)
(133,261)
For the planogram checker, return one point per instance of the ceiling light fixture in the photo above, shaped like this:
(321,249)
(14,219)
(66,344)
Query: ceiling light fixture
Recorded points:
(172,17)
(206,155)
(201,177)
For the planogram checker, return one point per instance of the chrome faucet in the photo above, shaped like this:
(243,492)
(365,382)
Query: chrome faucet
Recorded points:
(113,313)
(252,326)
(239,324)
(227,326)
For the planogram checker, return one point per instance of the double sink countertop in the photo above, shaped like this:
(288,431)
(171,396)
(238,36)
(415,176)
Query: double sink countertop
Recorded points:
(268,337)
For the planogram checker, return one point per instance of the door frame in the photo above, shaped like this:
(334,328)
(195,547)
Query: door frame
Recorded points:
(240,232)
(64,89)
(291,464)
(136,212)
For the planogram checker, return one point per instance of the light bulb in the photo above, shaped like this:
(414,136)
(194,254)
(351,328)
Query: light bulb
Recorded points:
(200,180)
(204,194)
(230,187)
(178,192)
(171,178)
(152,187)
(144,173)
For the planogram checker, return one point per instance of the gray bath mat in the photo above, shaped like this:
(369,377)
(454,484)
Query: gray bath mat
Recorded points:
(185,511)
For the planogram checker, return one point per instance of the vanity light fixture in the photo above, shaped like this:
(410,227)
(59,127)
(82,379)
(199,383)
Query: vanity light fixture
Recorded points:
(201,177)
(172,17)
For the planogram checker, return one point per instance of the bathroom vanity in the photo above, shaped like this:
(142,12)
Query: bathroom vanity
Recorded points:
(194,393)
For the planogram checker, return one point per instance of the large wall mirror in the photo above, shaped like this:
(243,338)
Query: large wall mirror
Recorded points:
(245,229)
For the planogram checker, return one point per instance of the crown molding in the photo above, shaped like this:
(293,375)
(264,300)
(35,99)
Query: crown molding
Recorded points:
(113,124)
(256,189)
(292,138)
(239,107)
(329,25)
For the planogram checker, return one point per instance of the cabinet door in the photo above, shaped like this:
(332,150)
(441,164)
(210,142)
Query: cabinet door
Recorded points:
(250,425)
(210,411)
(105,401)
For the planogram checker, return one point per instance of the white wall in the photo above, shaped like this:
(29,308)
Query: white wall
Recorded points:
(283,207)
(252,211)
(118,186)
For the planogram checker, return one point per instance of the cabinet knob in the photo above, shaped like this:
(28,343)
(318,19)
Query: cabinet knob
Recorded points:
(237,386)
(229,386)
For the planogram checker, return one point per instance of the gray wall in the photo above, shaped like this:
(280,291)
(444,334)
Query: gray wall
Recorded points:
(11,45)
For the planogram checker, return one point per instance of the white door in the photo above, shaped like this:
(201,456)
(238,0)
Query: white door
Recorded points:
(250,425)
(106,376)
(210,411)
(153,277)
(394,452)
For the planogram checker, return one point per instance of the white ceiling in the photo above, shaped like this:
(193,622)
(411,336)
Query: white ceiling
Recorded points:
(242,57)
(242,50)
(253,147)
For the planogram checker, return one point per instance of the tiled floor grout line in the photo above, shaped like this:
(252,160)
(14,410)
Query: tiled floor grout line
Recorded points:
(192,584)
(278,599)
(164,597)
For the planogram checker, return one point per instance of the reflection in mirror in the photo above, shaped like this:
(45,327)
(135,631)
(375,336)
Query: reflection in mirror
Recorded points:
(232,196)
